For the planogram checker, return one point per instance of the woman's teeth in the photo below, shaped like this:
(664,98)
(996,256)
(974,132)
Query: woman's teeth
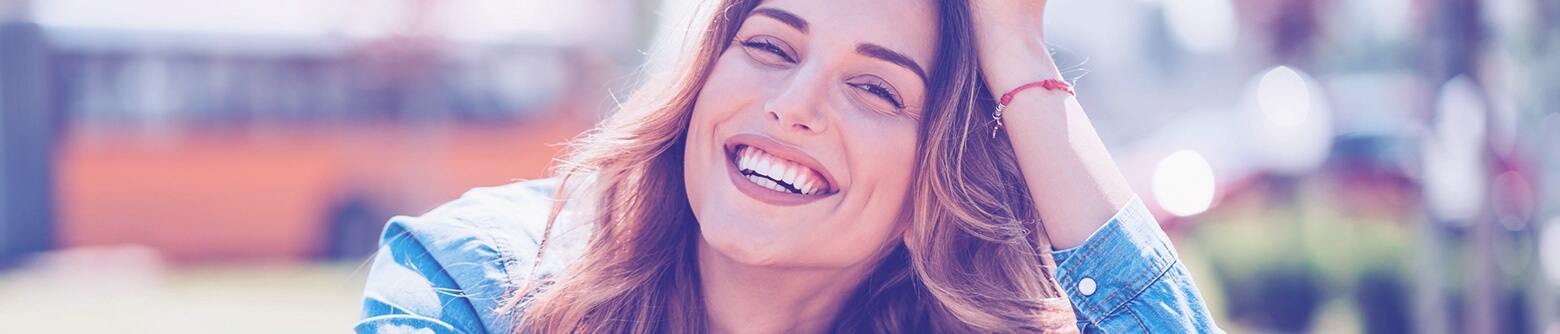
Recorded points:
(778,174)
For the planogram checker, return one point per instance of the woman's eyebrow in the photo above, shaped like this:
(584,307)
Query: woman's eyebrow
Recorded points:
(865,49)
(880,52)
(783,16)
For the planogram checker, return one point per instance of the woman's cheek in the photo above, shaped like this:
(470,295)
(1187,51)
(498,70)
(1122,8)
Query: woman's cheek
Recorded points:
(735,74)
(901,146)
(888,138)
(725,90)
(889,149)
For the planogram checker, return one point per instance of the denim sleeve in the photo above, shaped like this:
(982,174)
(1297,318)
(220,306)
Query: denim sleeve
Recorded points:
(427,283)
(452,269)
(1127,278)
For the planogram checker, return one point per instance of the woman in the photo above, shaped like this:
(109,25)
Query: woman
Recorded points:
(811,166)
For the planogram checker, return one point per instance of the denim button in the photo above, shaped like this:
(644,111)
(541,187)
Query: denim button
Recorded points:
(1086,286)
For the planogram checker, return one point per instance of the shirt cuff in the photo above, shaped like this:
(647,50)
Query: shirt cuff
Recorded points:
(1121,259)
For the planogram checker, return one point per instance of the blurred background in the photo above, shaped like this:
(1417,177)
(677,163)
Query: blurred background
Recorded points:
(1324,166)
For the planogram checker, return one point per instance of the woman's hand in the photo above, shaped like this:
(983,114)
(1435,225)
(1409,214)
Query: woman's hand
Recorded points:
(1011,13)
(1075,184)
(1010,37)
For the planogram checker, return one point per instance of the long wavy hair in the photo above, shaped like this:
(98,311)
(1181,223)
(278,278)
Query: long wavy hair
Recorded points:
(969,261)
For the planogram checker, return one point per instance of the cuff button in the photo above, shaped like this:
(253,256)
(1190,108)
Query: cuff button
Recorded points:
(1086,286)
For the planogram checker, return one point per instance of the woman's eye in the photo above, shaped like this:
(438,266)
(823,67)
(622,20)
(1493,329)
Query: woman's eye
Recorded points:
(766,45)
(881,92)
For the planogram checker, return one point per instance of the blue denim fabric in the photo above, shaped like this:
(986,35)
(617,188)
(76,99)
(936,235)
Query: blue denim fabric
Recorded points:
(1138,283)
(453,268)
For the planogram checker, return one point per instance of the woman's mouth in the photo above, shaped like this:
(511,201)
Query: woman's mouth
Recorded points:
(778,174)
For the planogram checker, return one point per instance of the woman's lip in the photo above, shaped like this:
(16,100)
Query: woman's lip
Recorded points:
(784,152)
(767,195)
(762,193)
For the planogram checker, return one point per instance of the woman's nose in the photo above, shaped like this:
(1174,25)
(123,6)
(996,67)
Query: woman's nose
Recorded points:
(799,105)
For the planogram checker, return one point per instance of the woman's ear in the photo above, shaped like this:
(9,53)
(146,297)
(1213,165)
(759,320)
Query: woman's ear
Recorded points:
(902,232)
(905,222)
(905,228)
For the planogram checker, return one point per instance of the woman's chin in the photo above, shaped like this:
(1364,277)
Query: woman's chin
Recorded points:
(744,241)
(740,252)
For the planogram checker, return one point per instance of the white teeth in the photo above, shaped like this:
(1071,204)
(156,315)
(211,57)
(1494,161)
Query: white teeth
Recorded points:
(803,180)
(772,185)
(777,187)
(770,167)
(766,183)
(788,173)
(746,157)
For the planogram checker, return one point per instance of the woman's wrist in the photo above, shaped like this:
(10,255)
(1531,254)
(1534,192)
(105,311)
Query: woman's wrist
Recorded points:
(1011,47)
(1070,174)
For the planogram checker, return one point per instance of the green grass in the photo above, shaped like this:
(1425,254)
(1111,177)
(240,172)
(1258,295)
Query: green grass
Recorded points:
(226,298)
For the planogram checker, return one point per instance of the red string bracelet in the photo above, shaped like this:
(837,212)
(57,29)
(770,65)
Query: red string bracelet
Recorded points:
(1049,84)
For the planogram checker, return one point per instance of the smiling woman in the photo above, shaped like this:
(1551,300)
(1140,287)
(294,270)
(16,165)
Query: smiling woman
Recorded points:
(810,166)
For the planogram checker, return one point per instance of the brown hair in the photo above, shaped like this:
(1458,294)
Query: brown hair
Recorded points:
(968,262)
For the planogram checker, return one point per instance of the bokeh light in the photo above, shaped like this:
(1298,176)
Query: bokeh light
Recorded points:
(1454,171)
(1288,119)
(1549,251)
(1183,183)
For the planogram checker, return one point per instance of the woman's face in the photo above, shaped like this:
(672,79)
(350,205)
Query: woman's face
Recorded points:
(802,141)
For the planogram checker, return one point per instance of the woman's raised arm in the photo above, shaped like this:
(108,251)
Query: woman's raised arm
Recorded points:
(1076,185)
(1114,262)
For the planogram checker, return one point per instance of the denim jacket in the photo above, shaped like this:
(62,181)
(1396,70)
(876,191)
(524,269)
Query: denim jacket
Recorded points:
(453,268)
